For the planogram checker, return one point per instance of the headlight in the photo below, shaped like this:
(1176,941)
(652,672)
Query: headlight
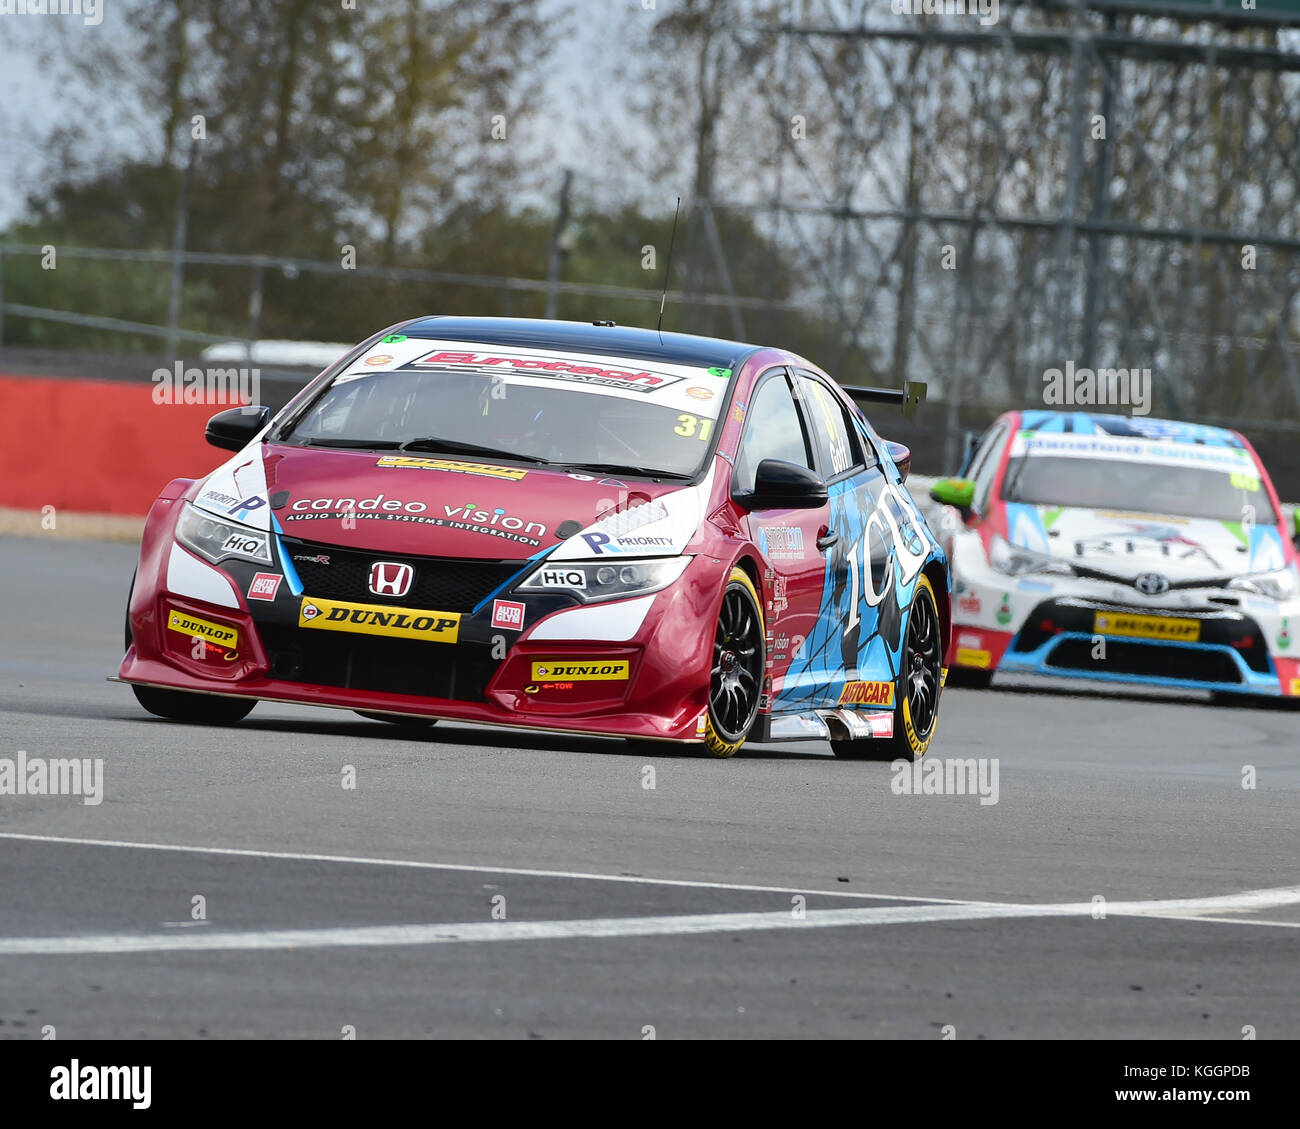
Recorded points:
(1015,561)
(217,539)
(591,580)
(1280,585)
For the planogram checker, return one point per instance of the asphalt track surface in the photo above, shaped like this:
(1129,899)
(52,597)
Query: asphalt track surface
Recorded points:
(627,909)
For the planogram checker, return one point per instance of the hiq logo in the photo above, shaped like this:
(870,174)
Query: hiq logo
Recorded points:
(562,578)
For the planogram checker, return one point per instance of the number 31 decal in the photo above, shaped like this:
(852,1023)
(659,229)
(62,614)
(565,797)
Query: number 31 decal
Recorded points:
(689,425)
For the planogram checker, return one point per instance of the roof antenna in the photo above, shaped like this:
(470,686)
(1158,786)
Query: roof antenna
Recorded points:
(668,271)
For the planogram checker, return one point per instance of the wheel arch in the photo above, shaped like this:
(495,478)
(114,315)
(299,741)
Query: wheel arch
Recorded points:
(935,572)
(749,565)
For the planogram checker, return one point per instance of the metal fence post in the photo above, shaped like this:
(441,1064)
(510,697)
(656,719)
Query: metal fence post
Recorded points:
(178,256)
(254,310)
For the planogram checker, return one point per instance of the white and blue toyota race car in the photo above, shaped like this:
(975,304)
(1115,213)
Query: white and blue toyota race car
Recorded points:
(1121,549)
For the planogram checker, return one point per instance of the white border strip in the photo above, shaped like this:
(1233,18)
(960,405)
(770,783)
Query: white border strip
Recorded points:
(1182,909)
(295,856)
(591,928)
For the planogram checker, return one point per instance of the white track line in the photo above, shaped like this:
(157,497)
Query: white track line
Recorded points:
(592,928)
(294,856)
(1183,909)
(1248,901)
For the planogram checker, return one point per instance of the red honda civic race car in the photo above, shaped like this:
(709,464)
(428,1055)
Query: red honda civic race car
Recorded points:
(569,527)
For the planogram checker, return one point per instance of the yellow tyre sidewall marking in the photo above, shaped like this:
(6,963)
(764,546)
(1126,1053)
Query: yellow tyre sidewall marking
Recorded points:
(917,746)
(712,739)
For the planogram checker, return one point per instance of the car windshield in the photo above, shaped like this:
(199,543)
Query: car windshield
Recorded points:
(1117,484)
(517,418)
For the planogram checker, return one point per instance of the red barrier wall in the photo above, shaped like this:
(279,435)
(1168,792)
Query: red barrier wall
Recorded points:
(95,446)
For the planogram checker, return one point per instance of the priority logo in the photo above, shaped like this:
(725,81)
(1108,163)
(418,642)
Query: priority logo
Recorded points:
(391,578)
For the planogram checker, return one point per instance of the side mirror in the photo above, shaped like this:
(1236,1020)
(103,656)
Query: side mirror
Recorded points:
(233,429)
(958,492)
(902,457)
(779,485)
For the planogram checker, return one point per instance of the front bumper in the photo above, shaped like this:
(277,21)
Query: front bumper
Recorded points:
(1079,638)
(1071,628)
(635,668)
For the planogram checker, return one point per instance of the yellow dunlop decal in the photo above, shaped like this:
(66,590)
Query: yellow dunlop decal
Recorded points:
(969,657)
(566,670)
(193,626)
(377,619)
(453,466)
(1147,626)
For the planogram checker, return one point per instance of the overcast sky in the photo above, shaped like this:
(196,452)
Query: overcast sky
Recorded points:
(581,92)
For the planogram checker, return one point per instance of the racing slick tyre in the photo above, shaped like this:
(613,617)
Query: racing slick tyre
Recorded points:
(969,678)
(736,680)
(177,705)
(916,691)
(414,723)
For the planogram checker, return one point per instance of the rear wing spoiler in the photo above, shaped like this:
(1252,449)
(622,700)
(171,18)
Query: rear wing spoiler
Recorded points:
(908,397)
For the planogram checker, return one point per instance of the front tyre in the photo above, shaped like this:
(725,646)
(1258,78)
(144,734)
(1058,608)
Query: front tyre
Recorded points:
(916,691)
(402,721)
(177,705)
(736,679)
(206,709)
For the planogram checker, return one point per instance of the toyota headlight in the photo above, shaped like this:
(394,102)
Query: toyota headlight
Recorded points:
(1015,561)
(217,539)
(591,580)
(1280,585)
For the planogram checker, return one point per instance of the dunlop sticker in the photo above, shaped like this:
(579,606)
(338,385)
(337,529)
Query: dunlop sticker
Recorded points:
(378,619)
(567,670)
(193,626)
(452,466)
(1147,626)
